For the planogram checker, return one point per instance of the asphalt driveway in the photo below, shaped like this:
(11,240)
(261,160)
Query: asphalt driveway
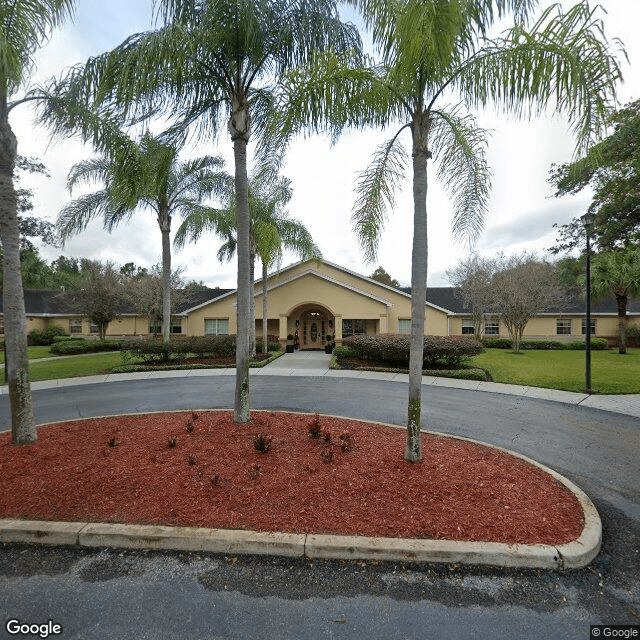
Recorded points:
(125,594)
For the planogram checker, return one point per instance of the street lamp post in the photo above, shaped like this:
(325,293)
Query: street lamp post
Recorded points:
(587,221)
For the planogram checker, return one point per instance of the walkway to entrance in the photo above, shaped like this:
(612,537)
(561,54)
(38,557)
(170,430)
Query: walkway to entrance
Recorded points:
(303,363)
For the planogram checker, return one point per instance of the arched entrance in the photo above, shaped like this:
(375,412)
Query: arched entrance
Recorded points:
(312,325)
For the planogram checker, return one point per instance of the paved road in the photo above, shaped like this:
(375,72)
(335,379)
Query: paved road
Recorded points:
(123,594)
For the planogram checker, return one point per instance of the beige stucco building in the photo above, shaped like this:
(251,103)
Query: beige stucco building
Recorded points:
(312,299)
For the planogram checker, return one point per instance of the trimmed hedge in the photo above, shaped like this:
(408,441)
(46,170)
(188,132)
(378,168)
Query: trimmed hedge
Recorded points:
(152,350)
(597,344)
(75,347)
(448,351)
(345,352)
(46,337)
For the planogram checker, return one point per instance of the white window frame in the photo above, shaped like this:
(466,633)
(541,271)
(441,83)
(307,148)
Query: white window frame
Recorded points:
(404,326)
(220,326)
(583,327)
(562,324)
(74,324)
(492,327)
(467,324)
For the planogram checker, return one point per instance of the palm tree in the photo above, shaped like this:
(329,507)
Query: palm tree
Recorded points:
(617,273)
(24,27)
(432,49)
(217,62)
(153,179)
(271,232)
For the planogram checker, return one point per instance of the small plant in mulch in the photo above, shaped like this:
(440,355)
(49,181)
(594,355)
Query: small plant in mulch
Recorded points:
(262,443)
(314,427)
(192,460)
(255,470)
(326,436)
(327,454)
(215,480)
(190,426)
(112,442)
(194,416)
(346,441)
(172,442)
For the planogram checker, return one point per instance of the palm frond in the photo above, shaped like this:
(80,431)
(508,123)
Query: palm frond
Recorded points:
(77,214)
(376,189)
(203,219)
(563,62)
(459,148)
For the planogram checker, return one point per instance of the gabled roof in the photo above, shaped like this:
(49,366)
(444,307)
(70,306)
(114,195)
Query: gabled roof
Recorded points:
(199,297)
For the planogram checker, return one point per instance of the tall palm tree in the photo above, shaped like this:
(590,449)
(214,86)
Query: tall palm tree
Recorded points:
(216,62)
(154,179)
(432,50)
(617,273)
(271,232)
(24,27)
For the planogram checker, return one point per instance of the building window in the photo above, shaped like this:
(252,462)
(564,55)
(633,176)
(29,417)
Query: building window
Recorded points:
(216,327)
(93,328)
(563,327)
(176,325)
(353,327)
(404,326)
(468,328)
(584,327)
(492,327)
(75,325)
(1,328)
(155,327)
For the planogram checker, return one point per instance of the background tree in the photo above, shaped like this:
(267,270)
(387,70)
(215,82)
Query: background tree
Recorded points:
(145,289)
(382,276)
(523,286)
(216,64)
(24,27)
(616,273)
(152,178)
(271,231)
(472,279)
(612,169)
(430,50)
(100,294)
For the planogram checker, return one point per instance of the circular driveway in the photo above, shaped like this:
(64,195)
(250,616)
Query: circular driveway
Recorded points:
(598,450)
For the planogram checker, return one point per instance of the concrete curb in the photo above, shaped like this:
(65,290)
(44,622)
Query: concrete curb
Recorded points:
(575,554)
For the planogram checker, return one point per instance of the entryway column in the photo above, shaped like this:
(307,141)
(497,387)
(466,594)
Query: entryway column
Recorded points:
(282,333)
(338,330)
(384,323)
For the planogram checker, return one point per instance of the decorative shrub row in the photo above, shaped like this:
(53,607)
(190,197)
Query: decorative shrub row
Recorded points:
(597,344)
(449,351)
(150,350)
(75,347)
(46,337)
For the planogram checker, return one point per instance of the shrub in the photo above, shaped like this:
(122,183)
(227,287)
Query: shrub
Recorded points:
(543,344)
(345,352)
(66,338)
(46,337)
(151,349)
(262,443)
(597,344)
(447,351)
(75,347)
(497,343)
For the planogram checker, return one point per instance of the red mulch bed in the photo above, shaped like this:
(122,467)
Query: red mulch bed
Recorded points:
(214,477)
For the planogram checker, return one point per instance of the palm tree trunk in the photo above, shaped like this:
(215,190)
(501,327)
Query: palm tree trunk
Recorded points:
(164,220)
(413,449)
(622,323)
(264,307)
(241,406)
(252,299)
(23,427)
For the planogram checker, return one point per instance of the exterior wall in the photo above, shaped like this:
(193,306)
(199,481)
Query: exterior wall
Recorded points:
(545,327)
(342,296)
(125,326)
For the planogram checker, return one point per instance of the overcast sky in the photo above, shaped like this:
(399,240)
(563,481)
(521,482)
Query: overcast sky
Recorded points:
(521,212)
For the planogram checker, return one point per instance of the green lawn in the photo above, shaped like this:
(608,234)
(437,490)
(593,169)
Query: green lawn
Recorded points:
(69,367)
(34,353)
(610,371)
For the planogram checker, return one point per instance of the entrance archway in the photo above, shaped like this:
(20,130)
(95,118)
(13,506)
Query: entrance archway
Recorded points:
(312,325)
